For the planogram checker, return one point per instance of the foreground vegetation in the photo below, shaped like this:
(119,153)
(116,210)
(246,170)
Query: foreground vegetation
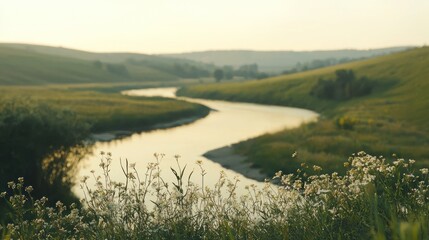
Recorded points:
(391,119)
(44,135)
(377,198)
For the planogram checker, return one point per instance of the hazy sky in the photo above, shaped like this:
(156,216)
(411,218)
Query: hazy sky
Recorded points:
(161,26)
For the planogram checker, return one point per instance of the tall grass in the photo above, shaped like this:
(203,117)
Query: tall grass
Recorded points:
(376,198)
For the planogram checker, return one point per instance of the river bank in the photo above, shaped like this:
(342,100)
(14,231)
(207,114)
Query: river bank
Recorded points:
(119,134)
(202,140)
(226,157)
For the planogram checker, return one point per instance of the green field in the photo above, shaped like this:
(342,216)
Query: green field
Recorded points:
(392,119)
(107,111)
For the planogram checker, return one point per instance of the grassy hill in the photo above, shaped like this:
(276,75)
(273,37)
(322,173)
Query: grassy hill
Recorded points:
(279,61)
(114,57)
(23,67)
(31,64)
(392,119)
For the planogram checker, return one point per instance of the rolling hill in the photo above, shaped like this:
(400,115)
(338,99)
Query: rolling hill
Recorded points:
(393,119)
(25,64)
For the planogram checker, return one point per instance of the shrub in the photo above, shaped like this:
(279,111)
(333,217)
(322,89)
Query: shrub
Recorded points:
(41,144)
(346,122)
(118,69)
(344,87)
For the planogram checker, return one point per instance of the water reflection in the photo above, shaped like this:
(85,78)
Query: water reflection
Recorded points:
(230,123)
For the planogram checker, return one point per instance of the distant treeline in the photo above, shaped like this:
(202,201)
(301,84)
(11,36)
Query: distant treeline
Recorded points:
(248,71)
(196,70)
(179,68)
(186,69)
(318,63)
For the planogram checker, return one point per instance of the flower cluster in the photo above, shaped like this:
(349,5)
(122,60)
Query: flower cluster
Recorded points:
(373,195)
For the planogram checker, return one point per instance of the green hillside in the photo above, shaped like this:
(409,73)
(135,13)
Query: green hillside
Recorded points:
(31,64)
(392,119)
(114,57)
(30,68)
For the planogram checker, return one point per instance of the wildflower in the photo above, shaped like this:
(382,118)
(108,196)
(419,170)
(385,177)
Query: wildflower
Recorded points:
(21,179)
(295,154)
(317,168)
(297,184)
(424,171)
(84,179)
(11,185)
(58,204)
(3,194)
(398,162)
(29,189)
(277,175)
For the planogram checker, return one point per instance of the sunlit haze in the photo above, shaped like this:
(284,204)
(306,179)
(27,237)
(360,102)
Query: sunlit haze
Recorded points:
(169,26)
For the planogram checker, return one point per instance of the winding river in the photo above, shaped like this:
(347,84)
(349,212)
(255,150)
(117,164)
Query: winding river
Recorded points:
(227,124)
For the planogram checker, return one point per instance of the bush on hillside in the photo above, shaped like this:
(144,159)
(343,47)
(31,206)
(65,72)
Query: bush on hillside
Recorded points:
(344,87)
(117,69)
(346,122)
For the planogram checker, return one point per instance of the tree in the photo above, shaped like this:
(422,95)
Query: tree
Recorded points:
(118,69)
(228,72)
(98,64)
(248,71)
(36,142)
(218,75)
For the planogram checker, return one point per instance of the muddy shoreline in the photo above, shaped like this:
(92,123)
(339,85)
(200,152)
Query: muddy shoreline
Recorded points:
(226,157)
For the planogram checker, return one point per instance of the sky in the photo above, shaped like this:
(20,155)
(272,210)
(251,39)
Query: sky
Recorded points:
(174,26)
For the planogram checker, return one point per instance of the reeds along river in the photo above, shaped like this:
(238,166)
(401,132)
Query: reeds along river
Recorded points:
(229,123)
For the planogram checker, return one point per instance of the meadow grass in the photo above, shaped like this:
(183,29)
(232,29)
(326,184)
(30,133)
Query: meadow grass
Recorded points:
(377,198)
(107,111)
(392,119)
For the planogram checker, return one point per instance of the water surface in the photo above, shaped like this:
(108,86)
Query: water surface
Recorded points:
(228,123)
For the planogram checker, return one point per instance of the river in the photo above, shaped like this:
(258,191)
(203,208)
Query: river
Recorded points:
(227,124)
